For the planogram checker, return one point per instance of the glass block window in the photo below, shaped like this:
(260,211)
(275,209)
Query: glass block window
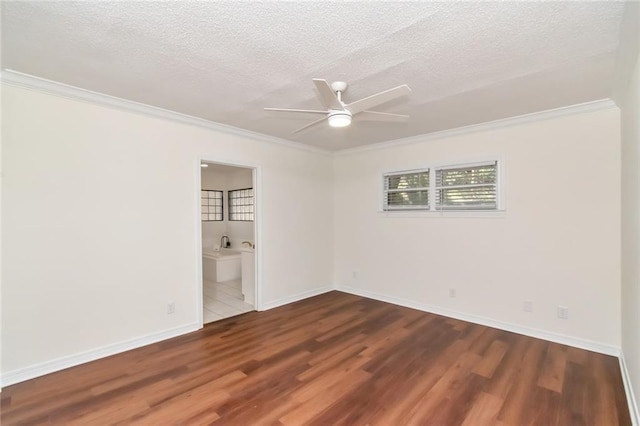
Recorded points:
(211,205)
(241,205)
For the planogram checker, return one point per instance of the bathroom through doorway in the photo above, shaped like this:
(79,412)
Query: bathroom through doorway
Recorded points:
(228,233)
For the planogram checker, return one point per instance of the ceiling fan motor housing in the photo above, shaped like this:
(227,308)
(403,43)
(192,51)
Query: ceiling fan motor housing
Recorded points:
(339,86)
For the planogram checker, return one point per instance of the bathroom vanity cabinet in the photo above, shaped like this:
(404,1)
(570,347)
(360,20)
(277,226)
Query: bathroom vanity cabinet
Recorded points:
(248,276)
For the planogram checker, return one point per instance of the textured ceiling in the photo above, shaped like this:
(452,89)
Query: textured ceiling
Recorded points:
(466,62)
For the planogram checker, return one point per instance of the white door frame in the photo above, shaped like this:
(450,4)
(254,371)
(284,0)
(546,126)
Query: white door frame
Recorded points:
(257,229)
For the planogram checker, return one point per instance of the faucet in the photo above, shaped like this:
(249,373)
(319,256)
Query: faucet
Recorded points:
(252,245)
(224,242)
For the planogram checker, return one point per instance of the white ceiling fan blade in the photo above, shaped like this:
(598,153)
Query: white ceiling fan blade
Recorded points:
(309,111)
(382,116)
(378,99)
(327,95)
(313,123)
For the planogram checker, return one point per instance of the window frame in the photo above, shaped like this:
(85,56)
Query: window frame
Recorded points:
(440,206)
(433,210)
(231,206)
(208,213)
(404,207)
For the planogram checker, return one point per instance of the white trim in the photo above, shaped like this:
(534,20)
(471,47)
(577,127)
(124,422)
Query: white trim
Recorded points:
(631,400)
(256,173)
(514,328)
(199,285)
(26,81)
(502,183)
(413,214)
(420,164)
(257,236)
(489,125)
(296,297)
(64,362)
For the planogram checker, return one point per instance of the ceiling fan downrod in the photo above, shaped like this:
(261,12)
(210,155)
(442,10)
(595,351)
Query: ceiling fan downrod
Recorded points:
(339,87)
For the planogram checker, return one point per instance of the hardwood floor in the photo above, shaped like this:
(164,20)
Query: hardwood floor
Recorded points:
(334,359)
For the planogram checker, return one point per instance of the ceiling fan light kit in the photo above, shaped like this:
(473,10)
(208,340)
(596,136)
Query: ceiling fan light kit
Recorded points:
(339,118)
(339,114)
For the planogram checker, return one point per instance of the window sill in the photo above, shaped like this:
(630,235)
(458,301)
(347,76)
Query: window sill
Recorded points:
(495,214)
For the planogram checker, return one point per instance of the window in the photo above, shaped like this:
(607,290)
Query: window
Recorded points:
(463,187)
(241,205)
(467,188)
(406,190)
(211,205)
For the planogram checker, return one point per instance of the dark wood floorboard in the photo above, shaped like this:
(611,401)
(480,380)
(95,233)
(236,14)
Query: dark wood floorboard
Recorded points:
(334,359)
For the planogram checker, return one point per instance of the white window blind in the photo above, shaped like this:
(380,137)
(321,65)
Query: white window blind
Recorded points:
(406,190)
(467,187)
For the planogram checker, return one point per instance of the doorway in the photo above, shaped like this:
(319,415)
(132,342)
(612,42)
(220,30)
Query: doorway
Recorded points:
(228,219)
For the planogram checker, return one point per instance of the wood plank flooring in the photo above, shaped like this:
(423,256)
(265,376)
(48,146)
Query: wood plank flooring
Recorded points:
(334,359)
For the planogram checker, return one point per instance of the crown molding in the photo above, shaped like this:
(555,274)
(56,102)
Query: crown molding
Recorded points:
(602,104)
(26,81)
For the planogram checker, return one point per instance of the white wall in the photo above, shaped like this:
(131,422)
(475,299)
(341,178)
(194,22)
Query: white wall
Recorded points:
(629,101)
(557,244)
(100,210)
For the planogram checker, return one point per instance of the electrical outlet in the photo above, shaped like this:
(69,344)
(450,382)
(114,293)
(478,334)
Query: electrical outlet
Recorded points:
(354,275)
(171,308)
(527,306)
(563,312)
(452,293)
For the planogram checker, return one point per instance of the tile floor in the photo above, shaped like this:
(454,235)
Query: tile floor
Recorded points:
(223,300)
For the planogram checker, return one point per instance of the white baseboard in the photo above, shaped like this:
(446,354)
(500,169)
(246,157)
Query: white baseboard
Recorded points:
(631,400)
(532,332)
(37,370)
(296,297)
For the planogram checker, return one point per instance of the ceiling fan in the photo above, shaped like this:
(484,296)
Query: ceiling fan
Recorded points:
(339,114)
